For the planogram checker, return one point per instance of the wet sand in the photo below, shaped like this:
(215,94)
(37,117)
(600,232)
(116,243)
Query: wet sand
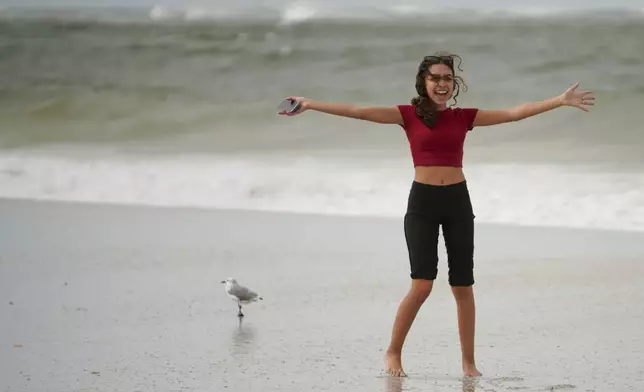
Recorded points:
(123,298)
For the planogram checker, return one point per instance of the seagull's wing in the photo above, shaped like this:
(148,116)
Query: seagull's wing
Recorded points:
(243,293)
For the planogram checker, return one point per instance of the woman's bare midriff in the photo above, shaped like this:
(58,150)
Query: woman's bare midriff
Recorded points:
(439,175)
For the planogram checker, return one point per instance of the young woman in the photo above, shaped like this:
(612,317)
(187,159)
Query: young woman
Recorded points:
(439,195)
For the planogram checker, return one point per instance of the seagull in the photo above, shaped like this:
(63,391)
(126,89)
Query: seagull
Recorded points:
(240,294)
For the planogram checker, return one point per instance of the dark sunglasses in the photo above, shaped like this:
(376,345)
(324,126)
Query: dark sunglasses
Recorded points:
(437,78)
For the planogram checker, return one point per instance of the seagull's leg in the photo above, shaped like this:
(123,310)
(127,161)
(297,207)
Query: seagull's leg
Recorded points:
(239,314)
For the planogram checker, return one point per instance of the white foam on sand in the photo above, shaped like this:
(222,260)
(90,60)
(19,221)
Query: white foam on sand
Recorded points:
(536,194)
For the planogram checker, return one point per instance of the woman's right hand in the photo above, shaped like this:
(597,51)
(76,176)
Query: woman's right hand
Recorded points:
(305,104)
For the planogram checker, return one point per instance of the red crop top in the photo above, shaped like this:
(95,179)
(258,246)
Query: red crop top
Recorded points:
(441,145)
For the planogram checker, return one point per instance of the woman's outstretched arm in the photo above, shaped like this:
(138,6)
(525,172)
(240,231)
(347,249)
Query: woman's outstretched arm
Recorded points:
(376,114)
(570,97)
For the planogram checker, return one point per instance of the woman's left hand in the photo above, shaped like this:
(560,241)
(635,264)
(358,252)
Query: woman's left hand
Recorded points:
(578,99)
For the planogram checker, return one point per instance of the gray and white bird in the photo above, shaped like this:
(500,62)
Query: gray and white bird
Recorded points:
(240,294)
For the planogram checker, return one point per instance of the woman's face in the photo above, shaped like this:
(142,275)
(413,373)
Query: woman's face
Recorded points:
(440,84)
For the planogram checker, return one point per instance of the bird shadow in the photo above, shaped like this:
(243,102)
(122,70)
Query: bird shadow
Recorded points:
(242,338)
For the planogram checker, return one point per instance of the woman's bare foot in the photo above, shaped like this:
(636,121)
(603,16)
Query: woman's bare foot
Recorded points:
(393,365)
(470,370)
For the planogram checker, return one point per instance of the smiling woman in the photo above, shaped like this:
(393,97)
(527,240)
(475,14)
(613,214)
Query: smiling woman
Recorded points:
(436,83)
(181,113)
(439,196)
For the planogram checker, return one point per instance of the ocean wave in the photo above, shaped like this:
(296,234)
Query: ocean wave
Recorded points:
(542,195)
(293,13)
(298,12)
(159,12)
(305,11)
(164,13)
(404,9)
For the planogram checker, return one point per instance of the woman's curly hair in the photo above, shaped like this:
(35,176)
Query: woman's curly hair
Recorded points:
(425,107)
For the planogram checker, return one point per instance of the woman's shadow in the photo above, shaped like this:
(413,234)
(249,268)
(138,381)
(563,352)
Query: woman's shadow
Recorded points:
(397,384)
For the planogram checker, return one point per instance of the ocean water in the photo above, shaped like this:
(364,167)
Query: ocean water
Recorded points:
(176,106)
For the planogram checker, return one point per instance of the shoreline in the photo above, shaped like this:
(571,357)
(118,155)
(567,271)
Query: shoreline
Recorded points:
(43,202)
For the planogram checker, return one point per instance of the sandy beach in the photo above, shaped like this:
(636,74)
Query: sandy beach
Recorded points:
(122,298)
(139,140)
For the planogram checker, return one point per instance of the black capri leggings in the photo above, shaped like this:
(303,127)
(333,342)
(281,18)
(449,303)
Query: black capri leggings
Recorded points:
(449,206)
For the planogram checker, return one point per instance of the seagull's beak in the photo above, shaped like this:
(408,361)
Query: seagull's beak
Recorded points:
(223,281)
